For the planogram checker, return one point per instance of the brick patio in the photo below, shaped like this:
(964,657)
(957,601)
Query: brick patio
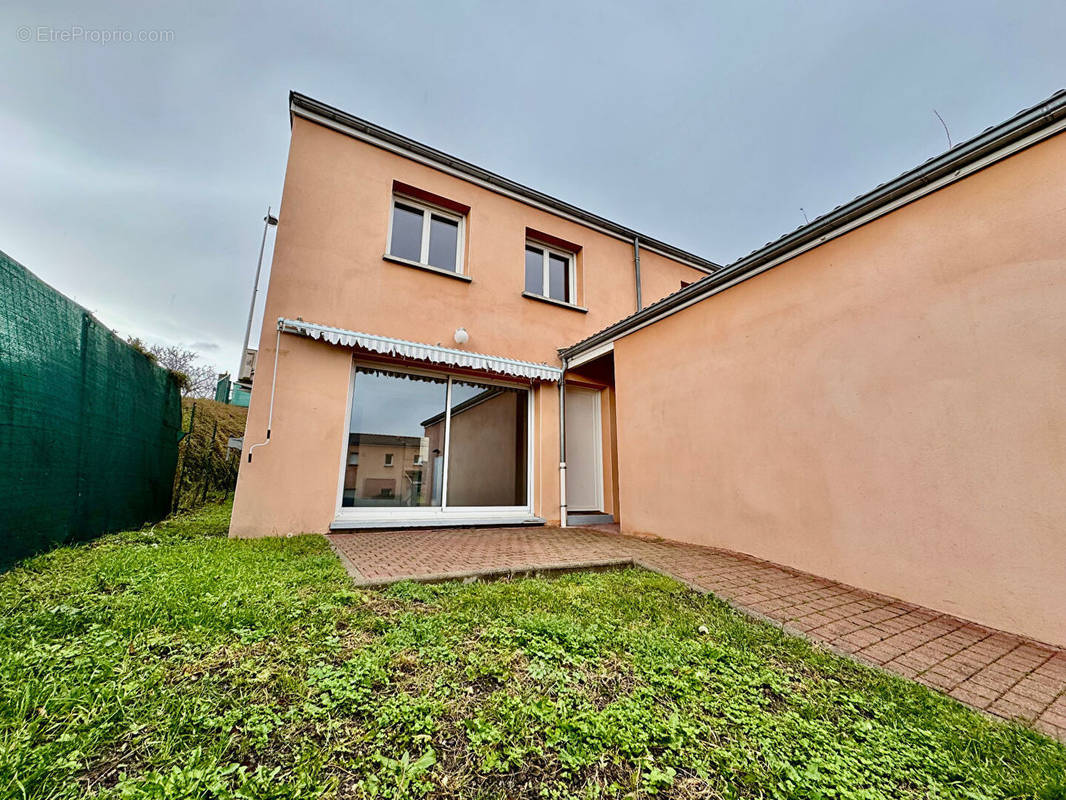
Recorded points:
(996,672)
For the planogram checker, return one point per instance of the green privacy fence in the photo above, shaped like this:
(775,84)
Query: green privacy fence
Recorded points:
(89,426)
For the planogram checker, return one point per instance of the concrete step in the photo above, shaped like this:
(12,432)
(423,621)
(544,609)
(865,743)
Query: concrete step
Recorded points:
(589,519)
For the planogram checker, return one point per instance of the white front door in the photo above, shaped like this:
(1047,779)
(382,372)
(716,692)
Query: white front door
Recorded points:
(584,455)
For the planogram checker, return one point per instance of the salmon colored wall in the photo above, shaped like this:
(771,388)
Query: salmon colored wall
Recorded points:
(659,276)
(888,409)
(610,462)
(291,484)
(328,268)
(612,495)
(328,263)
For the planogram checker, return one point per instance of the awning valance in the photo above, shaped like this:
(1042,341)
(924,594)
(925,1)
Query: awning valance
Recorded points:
(421,352)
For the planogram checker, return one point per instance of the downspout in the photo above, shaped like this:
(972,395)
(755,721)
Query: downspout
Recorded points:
(273,384)
(562,446)
(636,269)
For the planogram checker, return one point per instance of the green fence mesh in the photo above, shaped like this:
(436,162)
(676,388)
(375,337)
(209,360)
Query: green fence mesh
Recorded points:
(89,426)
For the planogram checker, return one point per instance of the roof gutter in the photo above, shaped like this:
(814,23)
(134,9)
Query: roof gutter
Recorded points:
(308,108)
(1003,140)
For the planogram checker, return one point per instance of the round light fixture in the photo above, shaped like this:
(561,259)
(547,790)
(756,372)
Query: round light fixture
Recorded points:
(461,336)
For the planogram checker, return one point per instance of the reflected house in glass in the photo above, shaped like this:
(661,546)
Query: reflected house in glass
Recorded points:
(389,462)
(487,445)
(388,470)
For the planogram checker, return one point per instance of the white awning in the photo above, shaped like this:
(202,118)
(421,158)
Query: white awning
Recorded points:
(421,352)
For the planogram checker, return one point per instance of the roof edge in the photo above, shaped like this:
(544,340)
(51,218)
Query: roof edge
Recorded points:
(1023,130)
(315,108)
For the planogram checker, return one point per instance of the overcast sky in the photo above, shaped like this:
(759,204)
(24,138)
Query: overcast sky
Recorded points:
(135,175)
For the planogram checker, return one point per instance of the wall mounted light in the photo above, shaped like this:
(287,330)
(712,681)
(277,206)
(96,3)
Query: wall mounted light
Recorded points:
(461,336)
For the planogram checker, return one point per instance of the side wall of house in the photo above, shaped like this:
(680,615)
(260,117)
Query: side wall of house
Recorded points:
(887,409)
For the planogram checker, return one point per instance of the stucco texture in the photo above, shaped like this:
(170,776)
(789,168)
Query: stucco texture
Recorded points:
(328,268)
(886,409)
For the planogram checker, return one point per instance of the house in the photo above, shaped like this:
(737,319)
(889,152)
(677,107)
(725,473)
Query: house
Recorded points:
(875,397)
(239,392)
(422,303)
(231,393)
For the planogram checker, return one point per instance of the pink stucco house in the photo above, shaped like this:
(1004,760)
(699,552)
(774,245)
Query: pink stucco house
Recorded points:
(876,397)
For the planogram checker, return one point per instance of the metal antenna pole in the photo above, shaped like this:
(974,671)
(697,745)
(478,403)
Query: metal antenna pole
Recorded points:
(268,220)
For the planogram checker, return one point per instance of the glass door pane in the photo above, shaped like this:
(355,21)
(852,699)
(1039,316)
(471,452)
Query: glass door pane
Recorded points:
(488,444)
(395,440)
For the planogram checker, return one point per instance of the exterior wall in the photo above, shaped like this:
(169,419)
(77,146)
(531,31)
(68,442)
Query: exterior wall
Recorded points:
(291,484)
(328,268)
(886,410)
(659,276)
(332,233)
(611,494)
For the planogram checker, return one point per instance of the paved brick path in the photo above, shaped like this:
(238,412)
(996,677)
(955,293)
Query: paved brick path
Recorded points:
(999,673)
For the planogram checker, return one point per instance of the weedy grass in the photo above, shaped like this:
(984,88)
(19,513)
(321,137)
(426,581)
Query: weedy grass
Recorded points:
(203,459)
(174,663)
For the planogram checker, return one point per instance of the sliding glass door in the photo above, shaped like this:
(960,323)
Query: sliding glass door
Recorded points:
(421,445)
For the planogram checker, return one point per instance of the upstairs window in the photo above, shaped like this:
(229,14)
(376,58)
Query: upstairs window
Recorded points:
(427,236)
(550,273)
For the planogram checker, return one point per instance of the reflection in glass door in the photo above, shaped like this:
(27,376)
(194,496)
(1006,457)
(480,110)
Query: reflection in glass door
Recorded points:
(391,461)
(487,446)
(431,442)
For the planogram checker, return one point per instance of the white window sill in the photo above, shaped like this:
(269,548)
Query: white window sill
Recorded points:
(554,302)
(430,518)
(427,267)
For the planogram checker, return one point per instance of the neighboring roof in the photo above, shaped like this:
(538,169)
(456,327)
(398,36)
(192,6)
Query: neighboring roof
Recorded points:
(1022,130)
(384,438)
(466,405)
(310,108)
(434,354)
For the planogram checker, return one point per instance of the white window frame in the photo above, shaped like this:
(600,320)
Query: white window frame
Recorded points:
(428,210)
(571,271)
(442,514)
(389,461)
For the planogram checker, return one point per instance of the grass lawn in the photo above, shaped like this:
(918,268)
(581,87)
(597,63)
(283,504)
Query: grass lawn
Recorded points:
(174,663)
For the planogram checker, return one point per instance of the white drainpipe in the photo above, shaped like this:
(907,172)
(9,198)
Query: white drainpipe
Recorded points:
(562,446)
(273,384)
